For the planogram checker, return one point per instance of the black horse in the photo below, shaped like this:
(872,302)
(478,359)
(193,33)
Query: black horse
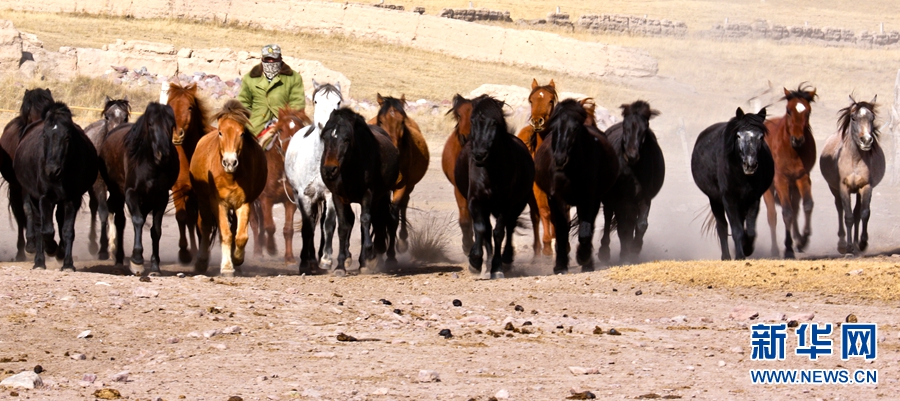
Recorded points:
(139,166)
(495,172)
(360,165)
(33,103)
(115,112)
(56,164)
(576,166)
(732,165)
(641,174)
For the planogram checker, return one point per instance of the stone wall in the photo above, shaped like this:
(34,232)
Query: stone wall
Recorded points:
(762,29)
(448,36)
(631,25)
(472,14)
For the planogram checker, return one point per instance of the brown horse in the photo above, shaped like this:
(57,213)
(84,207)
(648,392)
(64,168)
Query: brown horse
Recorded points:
(277,189)
(228,172)
(190,126)
(408,139)
(542,100)
(793,148)
(462,112)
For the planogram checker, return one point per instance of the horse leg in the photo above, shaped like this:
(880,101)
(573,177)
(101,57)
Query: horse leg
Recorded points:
(772,216)
(585,252)
(242,214)
(866,194)
(308,215)
(857,210)
(480,224)
(603,253)
(543,206)
(67,232)
(498,234)
(138,217)
(268,222)
(804,186)
(367,256)
(782,188)
(401,200)
(750,229)
(93,194)
(508,249)
(155,235)
(256,233)
(849,220)
(288,231)
(43,219)
(394,220)
(735,220)
(103,214)
(50,244)
(559,215)
(204,229)
(535,214)
(626,221)
(29,223)
(637,244)
(226,238)
(116,205)
(21,208)
(183,219)
(345,225)
(465,221)
(718,210)
(328,225)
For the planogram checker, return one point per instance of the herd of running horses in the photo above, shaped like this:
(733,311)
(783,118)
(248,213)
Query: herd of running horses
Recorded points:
(220,179)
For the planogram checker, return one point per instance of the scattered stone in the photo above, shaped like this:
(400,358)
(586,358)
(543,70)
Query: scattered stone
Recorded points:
(89,377)
(454,275)
(120,377)
(173,340)
(614,332)
(793,323)
(584,395)
(509,327)
(143,292)
(743,313)
(851,318)
(345,338)
(648,396)
(211,333)
(803,317)
(502,395)
(428,376)
(144,279)
(38,369)
(194,334)
(722,364)
(380,391)
(78,357)
(398,312)
(107,394)
(579,370)
(232,330)
(856,272)
(385,302)
(27,380)
(598,330)
(519,308)
(789,295)
(457,303)
(324,355)
(180,275)
(737,350)
(235,398)
(706,320)
(85,334)
(13,393)
(679,319)
(638,292)
(774,317)
(445,333)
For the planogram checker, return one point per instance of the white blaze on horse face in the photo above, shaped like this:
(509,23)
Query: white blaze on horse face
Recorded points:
(541,94)
(863,112)
(800,107)
(291,124)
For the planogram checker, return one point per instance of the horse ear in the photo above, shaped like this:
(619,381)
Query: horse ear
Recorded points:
(108,99)
(762,113)
(812,95)
(192,88)
(403,99)
(338,86)
(786,91)
(552,84)
(874,99)
(739,113)
(125,98)
(654,113)
(534,83)
(315,84)
(379,99)
(625,109)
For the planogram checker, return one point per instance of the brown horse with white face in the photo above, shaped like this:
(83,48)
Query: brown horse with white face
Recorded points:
(228,172)
(542,100)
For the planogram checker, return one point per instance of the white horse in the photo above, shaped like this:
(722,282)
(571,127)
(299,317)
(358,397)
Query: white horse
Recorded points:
(302,162)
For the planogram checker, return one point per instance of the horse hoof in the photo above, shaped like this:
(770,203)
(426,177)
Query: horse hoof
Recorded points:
(228,274)
(102,255)
(154,274)
(93,248)
(603,254)
(474,270)
(402,245)
(339,273)
(863,245)
(184,256)
(789,254)
(506,267)
(20,257)
(237,261)
(36,267)
(325,262)
(70,269)
(497,275)
(485,275)
(50,248)
(842,248)
(30,247)
(136,268)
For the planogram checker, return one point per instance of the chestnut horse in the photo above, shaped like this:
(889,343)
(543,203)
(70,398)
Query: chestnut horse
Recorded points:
(277,189)
(408,139)
(228,172)
(462,113)
(115,113)
(542,100)
(33,103)
(793,148)
(190,125)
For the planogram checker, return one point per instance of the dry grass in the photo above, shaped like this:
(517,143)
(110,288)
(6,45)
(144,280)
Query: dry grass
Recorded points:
(430,237)
(878,281)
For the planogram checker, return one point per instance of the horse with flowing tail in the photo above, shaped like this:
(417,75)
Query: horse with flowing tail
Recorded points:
(278,190)
(139,164)
(462,113)
(852,162)
(302,167)
(33,103)
(360,165)
(641,175)
(793,147)
(55,163)
(733,167)
(228,172)
(115,113)
(191,124)
(575,166)
(496,174)
(414,157)
(542,100)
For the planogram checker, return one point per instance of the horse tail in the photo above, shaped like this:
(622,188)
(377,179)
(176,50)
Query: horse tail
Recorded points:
(709,222)
(8,204)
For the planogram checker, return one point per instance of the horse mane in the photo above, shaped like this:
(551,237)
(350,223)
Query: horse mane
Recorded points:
(845,116)
(136,139)
(54,113)
(547,88)
(491,108)
(35,99)
(387,103)
(567,110)
(802,92)
(328,89)
(747,121)
(236,111)
(110,103)
(638,108)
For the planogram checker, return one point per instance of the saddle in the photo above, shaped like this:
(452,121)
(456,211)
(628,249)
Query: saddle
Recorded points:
(266,137)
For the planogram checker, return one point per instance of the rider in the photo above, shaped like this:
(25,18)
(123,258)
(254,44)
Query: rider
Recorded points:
(268,87)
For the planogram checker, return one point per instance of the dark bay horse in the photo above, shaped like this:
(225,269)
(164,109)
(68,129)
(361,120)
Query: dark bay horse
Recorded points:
(793,147)
(732,165)
(462,113)
(853,162)
(414,157)
(575,166)
(115,112)
(33,103)
(642,170)
(360,165)
(55,163)
(139,164)
(496,174)
(191,121)
(278,189)
(542,99)
(228,172)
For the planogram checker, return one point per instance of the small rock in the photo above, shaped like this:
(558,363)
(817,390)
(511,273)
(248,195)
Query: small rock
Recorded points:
(614,332)
(803,317)
(454,275)
(584,395)
(743,313)
(851,318)
(235,398)
(737,350)
(706,320)
(689,367)
(638,292)
(38,369)
(232,330)
(120,377)
(180,275)
(385,302)
(291,290)
(220,347)
(142,292)
(722,364)
(78,357)
(519,308)
(457,303)
(789,295)
(793,323)
(502,395)
(144,279)
(428,376)
(173,340)
(324,355)
(679,319)
(194,334)
(345,338)
(598,330)
(107,394)
(445,333)
(398,311)
(381,390)
(774,317)
(856,272)
(579,370)
(211,333)
(27,380)
(89,377)
(85,334)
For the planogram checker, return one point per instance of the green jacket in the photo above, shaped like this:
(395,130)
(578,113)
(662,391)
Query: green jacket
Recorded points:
(264,98)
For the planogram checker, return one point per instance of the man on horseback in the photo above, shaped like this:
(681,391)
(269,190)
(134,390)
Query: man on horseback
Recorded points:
(267,88)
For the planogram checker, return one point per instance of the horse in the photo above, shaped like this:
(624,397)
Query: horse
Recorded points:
(495,172)
(641,175)
(733,167)
(55,163)
(139,165)
(462,113)
(33,103)
(277,190)
(793,147)
(302,167)
(414,157)
(115,112)
(542,99)
(575,166)
(360,164)
(853,162)
(191,124)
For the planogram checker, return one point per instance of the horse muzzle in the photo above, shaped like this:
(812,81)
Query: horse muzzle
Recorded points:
(865,143)
(479,158)
(750,168)
(330,172)
(52,171)
(178,138)
(229,162)
(797,142)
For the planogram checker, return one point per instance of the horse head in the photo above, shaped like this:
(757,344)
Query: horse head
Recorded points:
(542,100)
(339,137)
(797,116)
(566,122)
(462,113)
(635,128)
(156,126)
(747,134)
(326,98)
(289,122)
(392,117)
(857,122)
(233,120)
(487,123)
(57,129)
(188,110)
(116,111)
